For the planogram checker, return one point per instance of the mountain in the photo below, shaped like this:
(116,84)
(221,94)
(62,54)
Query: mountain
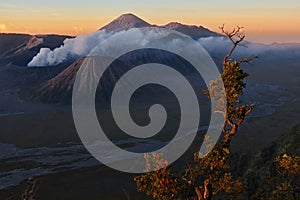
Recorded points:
(193,31)
(19,49)
(18,43)
(59,89)
(125,22)
(54,84)
(16,50)
(128,21)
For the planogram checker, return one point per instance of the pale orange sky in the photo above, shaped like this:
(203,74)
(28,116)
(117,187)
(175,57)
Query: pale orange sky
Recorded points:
(264,22)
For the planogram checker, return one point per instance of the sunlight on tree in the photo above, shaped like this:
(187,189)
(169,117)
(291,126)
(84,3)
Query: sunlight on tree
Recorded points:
(210,175)
(284,182)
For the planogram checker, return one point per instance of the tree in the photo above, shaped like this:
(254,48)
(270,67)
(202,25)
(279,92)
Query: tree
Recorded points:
(288,170)
(210,175)
(284,180)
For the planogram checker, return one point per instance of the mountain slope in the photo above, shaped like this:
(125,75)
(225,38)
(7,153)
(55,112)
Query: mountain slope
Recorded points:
(255,169)
(128,21)
(125,22)
(19,49)
(59,89)
(193,31)
(16,43)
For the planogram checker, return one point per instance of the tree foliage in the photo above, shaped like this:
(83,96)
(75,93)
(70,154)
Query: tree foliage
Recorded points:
(210,175)
(284,181)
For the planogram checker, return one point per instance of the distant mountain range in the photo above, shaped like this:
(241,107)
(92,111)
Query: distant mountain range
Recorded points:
(273,80)
(19,49)
(54,84)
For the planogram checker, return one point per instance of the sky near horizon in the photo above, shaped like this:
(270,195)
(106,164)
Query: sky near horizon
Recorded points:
(264,20)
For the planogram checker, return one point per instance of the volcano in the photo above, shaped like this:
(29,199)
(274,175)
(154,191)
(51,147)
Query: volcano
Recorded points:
(128,21)
(125,22)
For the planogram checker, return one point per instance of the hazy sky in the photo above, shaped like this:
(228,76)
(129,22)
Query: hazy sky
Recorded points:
(264,20)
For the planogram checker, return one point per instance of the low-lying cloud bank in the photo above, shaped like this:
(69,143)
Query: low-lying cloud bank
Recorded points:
(72,49)
(81,46)
(220,46)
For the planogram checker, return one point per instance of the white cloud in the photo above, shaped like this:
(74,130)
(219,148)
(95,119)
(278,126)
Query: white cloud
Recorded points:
(81,46)
(71,49)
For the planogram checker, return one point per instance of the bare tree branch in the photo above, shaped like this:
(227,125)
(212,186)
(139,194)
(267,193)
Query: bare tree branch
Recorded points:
(235,36)
(248,60)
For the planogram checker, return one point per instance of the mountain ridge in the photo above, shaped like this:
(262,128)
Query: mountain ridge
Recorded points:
(127,21)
